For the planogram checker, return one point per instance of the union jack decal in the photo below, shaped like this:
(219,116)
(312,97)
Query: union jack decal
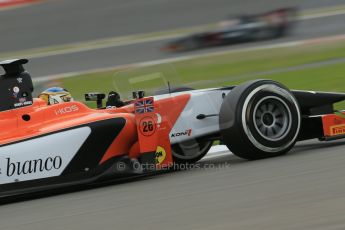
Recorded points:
(144,106)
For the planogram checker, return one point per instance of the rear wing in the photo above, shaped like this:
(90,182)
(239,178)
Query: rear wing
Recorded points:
(15,85)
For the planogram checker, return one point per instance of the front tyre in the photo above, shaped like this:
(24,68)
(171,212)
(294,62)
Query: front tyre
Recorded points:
(260,119)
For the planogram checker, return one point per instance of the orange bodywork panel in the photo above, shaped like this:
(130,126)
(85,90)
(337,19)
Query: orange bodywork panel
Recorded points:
(40,119)
(142,133)
(154,124)
(123,142)
(333,125)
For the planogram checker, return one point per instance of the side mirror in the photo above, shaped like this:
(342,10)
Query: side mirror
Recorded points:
(95,96)
(138,94)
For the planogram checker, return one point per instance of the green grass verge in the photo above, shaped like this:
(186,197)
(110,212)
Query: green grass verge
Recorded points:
(228,69)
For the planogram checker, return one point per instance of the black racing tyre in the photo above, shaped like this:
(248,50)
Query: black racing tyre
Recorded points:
(190,151)
(260,119)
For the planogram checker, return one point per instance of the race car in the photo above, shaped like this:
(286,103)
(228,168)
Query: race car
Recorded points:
(246,28)
(52,146)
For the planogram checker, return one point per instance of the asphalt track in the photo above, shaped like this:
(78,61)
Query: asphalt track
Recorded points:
(302,190)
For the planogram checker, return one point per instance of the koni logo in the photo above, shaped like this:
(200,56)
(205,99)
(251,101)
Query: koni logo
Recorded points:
(188,133)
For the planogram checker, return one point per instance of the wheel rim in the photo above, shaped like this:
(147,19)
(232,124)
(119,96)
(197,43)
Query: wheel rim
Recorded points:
(281,92)
(191,150)
(272,118)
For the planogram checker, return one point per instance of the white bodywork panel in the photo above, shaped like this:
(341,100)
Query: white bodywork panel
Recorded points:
(48,156)
(187,126)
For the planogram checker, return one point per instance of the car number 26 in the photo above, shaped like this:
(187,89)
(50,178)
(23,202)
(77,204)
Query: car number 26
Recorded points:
(147,126)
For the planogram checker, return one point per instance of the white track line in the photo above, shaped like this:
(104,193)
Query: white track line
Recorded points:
(322,15)
(217,151)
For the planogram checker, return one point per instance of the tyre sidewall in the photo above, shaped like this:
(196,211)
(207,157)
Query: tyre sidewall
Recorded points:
(235,115)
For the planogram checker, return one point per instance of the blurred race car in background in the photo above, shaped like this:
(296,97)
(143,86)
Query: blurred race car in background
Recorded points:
(246,28)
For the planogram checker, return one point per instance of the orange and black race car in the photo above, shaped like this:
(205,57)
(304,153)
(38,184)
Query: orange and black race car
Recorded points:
(50,146)
(246,28)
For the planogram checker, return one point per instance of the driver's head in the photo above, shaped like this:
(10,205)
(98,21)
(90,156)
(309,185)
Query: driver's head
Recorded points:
(55,95)
(114,100)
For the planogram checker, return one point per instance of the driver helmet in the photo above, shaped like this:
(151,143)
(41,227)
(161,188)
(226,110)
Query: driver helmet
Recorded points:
(56,95)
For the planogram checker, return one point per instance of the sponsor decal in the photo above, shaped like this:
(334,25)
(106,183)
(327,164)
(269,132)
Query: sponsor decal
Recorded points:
(188,133)
(17,168)
(15,92)
(337,130)
(42,157)
(19,80)
(67,109)
(160,155)
(16,89)
(20,104)
(159,119)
